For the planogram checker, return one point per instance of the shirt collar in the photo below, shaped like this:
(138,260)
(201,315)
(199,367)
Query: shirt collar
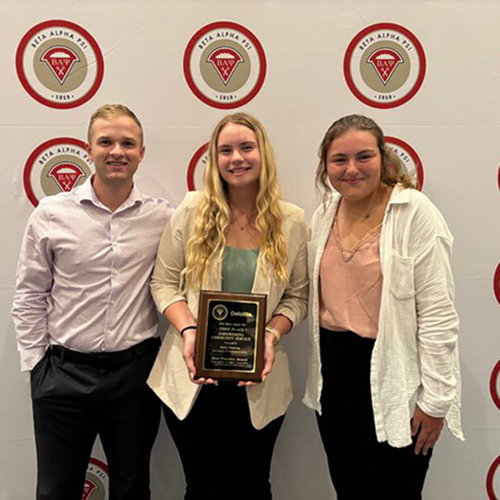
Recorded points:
(399,195)
(86,193)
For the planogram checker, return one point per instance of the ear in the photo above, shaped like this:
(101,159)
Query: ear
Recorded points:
(88,148)
(143,151)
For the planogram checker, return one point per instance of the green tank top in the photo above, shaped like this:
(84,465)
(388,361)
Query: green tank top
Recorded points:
(238,269)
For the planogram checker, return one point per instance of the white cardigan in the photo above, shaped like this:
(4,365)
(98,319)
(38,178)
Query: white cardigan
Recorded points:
(415,356)
(169,378)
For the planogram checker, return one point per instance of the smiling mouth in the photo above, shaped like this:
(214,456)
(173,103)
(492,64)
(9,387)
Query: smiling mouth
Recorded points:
(239,170)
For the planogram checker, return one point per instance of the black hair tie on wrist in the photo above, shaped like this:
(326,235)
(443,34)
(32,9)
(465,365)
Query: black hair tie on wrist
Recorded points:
(190,327)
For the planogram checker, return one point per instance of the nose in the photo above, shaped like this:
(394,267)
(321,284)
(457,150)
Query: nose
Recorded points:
(237,156)
(116,150)
(351,166)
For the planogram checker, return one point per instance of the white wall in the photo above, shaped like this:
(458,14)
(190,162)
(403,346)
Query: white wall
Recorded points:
(452,122)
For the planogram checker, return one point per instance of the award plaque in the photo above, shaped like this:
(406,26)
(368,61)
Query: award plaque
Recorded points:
(230,336)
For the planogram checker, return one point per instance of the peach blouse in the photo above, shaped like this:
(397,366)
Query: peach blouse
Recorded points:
(351,284)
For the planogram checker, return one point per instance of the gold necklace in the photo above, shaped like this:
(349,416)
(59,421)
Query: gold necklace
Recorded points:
(363,216)
(372,209)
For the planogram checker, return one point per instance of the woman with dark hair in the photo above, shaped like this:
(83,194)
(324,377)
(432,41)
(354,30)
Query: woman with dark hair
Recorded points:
(383,369)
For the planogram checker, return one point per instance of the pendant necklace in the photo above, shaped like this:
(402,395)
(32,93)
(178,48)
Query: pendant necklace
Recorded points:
(242,228)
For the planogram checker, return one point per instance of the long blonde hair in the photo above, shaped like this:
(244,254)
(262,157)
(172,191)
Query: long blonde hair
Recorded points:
(209,237)
(393,170)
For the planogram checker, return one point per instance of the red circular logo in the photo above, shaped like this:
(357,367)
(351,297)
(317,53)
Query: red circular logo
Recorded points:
(96,481)
(490,479)
(496,283)
(196,168)
(56,166)
(225,65)
(493,385)
(59,64)
(384,65)
(409,157)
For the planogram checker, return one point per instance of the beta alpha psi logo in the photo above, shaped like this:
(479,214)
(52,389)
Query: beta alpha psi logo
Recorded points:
(196,168)
(384,65)
(59,64)
(224,65)
(493,475)
(220,312)
(60,60)
(385,62)
(225,60)
(56,166)
(411,161)
(96,481)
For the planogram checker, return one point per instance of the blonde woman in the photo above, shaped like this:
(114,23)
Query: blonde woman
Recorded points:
(383,368)
(236,235)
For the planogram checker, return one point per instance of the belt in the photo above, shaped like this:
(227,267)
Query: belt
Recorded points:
(105,360)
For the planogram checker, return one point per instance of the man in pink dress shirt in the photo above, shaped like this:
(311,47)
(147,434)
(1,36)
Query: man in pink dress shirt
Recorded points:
(85,321)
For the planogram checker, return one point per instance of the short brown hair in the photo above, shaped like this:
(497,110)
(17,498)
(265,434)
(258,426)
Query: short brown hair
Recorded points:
(108,111)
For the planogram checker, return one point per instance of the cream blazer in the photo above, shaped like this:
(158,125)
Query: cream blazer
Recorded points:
(170,378)
(415,356)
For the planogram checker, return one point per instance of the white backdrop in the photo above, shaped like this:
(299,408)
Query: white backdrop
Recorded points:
(452,122)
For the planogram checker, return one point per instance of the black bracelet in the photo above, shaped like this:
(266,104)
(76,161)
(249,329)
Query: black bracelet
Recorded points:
(190,327)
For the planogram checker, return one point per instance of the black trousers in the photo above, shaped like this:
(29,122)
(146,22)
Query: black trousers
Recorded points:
(77,397)
(223,456)
(360,466)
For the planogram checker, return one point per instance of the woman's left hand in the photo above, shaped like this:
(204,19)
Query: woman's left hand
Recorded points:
(430,429)
(269,356)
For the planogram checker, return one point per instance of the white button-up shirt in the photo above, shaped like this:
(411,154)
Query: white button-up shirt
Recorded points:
(83,274)
(415,357)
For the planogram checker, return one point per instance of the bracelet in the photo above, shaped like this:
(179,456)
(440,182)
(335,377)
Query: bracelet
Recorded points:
(186,328)
(275,332)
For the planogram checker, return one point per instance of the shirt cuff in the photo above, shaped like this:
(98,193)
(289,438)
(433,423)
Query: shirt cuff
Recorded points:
(30,357)
(436,411)
(287,312)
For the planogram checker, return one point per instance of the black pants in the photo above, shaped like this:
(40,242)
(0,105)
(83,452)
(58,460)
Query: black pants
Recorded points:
(360,467)
(223,456)
(74,401)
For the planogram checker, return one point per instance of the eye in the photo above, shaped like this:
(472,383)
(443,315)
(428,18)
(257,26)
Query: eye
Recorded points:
(129,144)
(337,160)
(104,142)
(247,147)
(224,151)
(366,156)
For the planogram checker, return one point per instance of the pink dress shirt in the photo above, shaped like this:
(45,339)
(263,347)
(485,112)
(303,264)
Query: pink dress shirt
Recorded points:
(83,274)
